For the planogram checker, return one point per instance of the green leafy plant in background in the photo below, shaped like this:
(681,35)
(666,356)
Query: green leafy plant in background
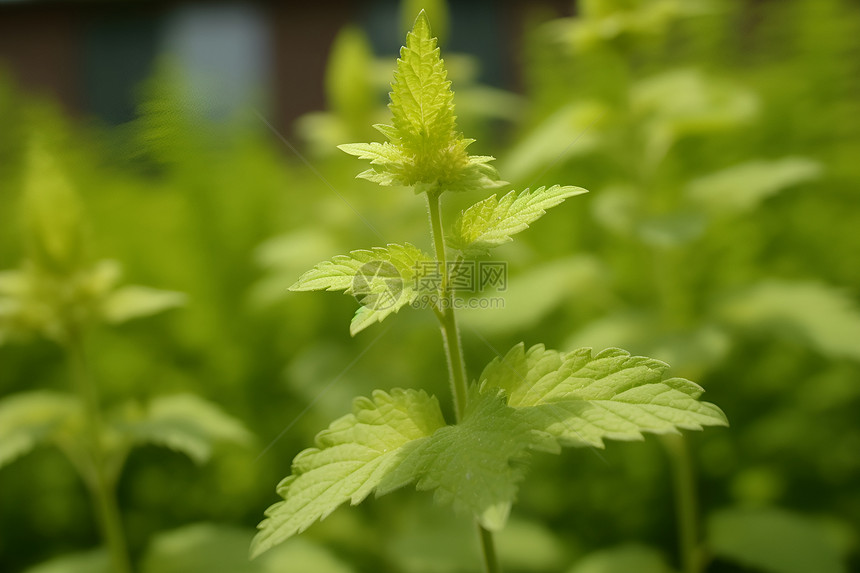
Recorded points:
(529,400)
(693,215)
(59,294)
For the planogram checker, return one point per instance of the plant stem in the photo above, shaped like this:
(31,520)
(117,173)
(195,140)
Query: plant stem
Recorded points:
(491,562)
(686,506)
(454,354)
(447,318)
(100,481)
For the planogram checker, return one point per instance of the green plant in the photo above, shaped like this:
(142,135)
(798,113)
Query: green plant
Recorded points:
(59,294)
(530,400)
(694,213)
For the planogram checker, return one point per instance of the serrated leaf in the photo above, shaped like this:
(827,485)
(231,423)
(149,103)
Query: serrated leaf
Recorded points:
(583,399)
(474,465)
(422,106)
(424,150)
(186,423)
(32,418)
(774,540)
(368,316)
(493,221)
(743,187)
(437,11)
(687,349)
(384,280)
(340,273)
(819,315)
(130,302)
(350,460)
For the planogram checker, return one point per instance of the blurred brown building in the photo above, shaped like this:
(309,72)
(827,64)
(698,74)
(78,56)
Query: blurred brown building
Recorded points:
(92,56)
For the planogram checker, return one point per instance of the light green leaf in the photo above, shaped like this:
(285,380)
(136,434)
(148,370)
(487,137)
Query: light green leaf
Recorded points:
(349,91)
(422,105)
(95,561)
(130,302)
(53,212)
(200,547)
(186,423)
(491,222)
(286,256)
(684,102)
(601,22)
(368,316)
(474,465)
(36,301)
(32,418)
(299,555)
(217,548)
(341,272)
(534,295)
(436,10)
(743,187)
(671,230)
(819,315)
(376,153)
(774,540)
(384,280)
(687,349)
(618,207)
(351,459)
(623,559)
(531,546)
(582,399)
(421,530)
(570,132)
(12,285)
(424,150)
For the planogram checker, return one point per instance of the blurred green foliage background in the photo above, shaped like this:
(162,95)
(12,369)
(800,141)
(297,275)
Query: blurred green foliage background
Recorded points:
(720,142)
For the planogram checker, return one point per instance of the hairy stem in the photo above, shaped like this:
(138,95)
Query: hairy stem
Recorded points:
(454,353)
(100,480)
(447,318)
(686,506)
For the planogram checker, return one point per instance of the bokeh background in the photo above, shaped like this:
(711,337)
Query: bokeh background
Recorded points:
(194,145)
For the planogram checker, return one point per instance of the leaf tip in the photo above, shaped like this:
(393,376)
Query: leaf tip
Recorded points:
(350,148)
(258,546)
(421,28)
